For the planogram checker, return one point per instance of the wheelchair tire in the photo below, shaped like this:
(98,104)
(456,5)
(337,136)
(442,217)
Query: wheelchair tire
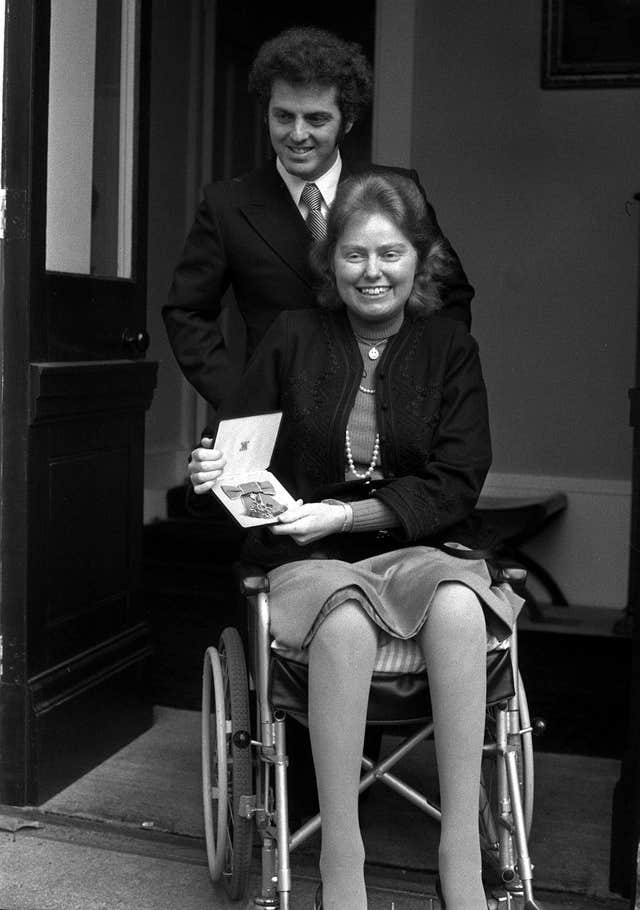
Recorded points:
(490,823)
(214,762)
(239,842)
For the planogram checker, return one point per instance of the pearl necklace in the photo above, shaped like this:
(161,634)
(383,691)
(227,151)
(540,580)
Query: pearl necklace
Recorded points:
(374,456)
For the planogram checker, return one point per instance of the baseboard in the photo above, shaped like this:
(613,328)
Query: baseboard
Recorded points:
(587,548)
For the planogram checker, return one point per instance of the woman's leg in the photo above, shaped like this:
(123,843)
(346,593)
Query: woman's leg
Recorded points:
(341,660)
(453,640)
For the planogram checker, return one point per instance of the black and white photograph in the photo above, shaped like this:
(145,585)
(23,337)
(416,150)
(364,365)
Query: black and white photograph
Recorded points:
(319,455)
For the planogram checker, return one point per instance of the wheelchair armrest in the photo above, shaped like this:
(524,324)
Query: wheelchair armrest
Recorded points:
(511,575)
(251,579)
(500,573)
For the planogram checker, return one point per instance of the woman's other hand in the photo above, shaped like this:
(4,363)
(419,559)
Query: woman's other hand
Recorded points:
(206,464)
(307,522)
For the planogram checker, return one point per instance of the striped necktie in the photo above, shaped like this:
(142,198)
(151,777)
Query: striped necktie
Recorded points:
(315,220)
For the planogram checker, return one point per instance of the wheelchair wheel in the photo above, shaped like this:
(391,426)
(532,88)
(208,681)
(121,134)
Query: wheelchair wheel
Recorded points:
(227,770)
(492,828)
(214,762)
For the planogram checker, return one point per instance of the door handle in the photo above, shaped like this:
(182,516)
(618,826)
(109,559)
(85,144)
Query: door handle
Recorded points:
(135,342)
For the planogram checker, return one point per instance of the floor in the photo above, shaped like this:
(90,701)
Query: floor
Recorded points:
(129,834)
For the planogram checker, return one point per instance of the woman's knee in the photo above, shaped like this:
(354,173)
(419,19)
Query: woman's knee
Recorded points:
(347,625)
(458,609)
(346,633)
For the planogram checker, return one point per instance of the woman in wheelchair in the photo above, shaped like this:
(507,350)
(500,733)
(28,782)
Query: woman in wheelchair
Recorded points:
(385,440)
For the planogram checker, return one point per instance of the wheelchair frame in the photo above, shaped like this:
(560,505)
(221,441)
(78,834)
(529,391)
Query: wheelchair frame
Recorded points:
(231,757)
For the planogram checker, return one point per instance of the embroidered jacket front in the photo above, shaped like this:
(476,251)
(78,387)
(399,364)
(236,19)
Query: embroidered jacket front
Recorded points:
(431,414)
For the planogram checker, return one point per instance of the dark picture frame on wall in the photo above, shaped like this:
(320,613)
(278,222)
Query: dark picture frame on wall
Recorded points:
(590,44)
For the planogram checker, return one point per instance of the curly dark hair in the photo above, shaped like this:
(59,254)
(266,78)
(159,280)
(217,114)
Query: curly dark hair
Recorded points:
(400,200)
(308,55)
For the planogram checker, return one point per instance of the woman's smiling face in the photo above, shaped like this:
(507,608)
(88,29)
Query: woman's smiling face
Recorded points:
(374,266)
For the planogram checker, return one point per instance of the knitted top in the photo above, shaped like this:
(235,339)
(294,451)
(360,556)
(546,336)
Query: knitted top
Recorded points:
(368,514)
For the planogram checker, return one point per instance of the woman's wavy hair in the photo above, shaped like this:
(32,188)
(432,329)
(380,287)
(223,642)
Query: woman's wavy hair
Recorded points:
(400,200)
(312,56)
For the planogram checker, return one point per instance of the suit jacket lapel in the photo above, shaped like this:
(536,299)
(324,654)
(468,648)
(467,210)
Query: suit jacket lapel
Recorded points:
(275,217)
(346,170)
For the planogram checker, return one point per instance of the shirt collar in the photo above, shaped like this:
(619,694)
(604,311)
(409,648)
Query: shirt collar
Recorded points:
(327,183)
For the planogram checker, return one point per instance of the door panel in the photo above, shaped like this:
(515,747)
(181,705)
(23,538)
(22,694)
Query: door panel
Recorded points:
(87,426)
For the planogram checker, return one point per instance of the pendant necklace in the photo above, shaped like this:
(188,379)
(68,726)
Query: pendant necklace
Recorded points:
(375,347)
(374,351)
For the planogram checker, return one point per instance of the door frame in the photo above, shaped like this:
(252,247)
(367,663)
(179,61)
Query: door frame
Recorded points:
(20,247)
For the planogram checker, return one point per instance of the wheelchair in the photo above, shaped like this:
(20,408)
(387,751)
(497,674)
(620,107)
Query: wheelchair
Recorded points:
(244,757)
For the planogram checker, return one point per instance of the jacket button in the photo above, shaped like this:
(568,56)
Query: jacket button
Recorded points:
(384,406)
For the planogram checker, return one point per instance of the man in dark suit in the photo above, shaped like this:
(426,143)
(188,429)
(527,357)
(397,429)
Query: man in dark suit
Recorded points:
(250,232)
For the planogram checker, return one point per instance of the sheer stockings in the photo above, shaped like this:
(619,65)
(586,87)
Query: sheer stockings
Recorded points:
(341,660)
(453,640)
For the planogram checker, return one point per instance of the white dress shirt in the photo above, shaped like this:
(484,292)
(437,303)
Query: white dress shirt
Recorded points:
(327,184)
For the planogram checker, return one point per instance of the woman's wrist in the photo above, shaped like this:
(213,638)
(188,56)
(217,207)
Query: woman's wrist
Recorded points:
(347,512)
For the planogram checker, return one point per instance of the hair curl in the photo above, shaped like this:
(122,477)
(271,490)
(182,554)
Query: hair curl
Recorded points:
(307,56)
(400,200)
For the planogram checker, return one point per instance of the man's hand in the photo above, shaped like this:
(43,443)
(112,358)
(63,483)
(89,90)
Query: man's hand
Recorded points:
(311,521)
(206,464)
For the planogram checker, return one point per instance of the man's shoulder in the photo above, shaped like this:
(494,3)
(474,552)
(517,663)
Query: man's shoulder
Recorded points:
(362,167)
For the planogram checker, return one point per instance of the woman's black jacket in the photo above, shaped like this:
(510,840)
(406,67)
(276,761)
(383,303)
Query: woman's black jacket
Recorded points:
(431,415)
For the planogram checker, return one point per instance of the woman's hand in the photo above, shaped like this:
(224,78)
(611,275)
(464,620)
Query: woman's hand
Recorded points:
(307,522)
(205,466)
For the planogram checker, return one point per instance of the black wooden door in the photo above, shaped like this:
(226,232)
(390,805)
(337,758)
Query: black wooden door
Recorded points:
(75,646)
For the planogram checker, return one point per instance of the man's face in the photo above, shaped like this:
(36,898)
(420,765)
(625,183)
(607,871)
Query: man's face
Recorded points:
(305,126)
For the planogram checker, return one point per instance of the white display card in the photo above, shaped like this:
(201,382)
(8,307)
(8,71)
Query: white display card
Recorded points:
(251,493)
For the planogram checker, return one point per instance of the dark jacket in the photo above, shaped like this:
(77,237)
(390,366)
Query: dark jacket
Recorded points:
(249,234)
(431,416)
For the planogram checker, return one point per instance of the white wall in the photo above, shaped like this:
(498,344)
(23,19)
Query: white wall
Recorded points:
(530,186)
